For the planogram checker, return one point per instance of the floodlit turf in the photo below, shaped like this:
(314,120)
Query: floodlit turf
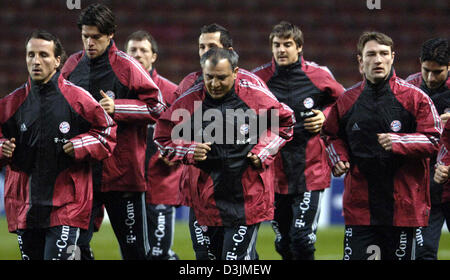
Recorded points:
(329,243)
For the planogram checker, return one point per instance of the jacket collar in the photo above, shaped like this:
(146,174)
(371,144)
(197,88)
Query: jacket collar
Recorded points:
(226,97)
(51,84)
(153,73)
(378,86)
(280,69)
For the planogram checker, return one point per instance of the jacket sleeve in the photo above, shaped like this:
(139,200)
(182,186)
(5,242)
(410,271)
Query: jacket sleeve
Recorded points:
(274,137)
(335,146)
(185,84)
(99,142)
(3,160)
(8,107)
(443,156)
(425,142)
(176,149)
(149,103)
(334,89)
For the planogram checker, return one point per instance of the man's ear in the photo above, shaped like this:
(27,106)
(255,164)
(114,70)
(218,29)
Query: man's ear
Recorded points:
(58,62)
(154,57)
(360,67)
(235,72)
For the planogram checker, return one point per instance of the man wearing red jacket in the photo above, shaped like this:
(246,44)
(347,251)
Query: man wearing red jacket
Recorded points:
(211,36)
(434,81)
(50,133)
(217,127)
(163,177)
(302,171)
(129,95)
(381,131)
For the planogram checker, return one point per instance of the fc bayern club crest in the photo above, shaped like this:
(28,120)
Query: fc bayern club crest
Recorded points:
(64,127)
(396,126)
(308,103)
(244,129)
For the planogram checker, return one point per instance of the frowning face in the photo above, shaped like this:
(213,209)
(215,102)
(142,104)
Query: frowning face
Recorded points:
(219,79)
(94,42)
(434,74)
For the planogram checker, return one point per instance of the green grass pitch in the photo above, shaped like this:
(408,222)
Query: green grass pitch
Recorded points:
(328,245)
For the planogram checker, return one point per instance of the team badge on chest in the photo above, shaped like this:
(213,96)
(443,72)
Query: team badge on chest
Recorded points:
(244,129)
(308,103)
(396,126)
(64,127)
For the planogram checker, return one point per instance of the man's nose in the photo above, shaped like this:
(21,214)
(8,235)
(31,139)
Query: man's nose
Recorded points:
(378,58)
(36,60)
(215,82)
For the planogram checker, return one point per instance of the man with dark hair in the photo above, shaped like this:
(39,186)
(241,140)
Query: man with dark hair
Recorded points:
(434,81)
(302,171)
(163,177)
(127,93)
(211,36)
(234,187)
(381,131)
(50,131)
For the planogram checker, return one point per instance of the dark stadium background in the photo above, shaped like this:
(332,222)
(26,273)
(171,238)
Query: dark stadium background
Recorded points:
(331,29)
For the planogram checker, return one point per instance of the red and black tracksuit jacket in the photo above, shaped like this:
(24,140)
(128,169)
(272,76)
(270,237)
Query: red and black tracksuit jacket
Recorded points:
(384,187)
(45,187)
(163,181)
(302,164)
(228,191)
(441,99)
(138,102)
(192,79)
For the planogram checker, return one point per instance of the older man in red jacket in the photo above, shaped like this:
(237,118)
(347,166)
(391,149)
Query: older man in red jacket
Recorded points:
(217,127)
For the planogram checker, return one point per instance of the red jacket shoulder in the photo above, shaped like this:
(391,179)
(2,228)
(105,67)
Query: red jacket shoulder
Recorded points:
(71,63)
(265,72)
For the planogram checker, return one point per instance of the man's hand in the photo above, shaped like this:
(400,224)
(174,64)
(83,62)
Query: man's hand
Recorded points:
(314,124)
(341,168)
(107,103)
(166,161)
(68,149)
(9,147)
(385,141)
(444,118)
(255,160)
(441,174)
(201,150)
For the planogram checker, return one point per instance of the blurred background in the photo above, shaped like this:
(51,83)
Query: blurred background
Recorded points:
(331,29)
